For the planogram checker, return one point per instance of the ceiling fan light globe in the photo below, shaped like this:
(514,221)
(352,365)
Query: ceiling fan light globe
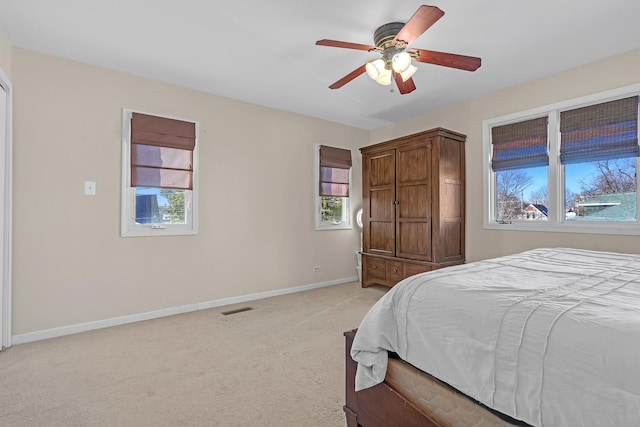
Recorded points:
(406,74)
(385,78)
(400,62)
(372,71)
(375,68)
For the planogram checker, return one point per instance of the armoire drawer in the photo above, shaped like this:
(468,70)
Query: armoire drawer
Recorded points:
(388,271)
(394,271)
(391,271)
(411,269)
(376,268)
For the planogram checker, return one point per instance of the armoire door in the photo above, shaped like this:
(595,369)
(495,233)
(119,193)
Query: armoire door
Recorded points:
(450,233)
(414,201)
(379,196)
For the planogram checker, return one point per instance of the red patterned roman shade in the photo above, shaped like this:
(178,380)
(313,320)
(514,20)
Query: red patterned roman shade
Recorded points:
(162,152)
(335,164)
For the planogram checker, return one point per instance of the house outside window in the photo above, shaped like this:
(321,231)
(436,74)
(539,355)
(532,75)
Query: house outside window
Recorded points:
(588,183)
(333,179)
(159,175)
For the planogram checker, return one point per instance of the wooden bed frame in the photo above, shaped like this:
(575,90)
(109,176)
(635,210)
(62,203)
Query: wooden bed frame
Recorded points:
(391,403)
(378,406)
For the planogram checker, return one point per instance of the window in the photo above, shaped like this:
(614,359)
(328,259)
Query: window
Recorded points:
(333,178)
(570,166)
(601,142)
(519,154)
(159,175)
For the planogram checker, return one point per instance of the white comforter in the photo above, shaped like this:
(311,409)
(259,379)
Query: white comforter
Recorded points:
(548,336)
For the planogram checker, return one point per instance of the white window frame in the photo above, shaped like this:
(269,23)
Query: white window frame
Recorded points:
(346,208)
(129,227)
(556,221)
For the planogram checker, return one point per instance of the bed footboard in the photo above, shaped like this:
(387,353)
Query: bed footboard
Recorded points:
(351,399)
(380,405)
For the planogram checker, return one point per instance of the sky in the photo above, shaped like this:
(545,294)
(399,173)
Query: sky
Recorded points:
(162,201)
(577,172)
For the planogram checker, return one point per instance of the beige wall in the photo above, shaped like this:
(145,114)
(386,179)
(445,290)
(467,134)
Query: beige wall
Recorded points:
(5,53)
(467,118)
(71,266)
(257,234)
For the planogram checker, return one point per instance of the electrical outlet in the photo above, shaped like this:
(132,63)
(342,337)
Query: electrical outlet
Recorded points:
(89,188)
(316,268)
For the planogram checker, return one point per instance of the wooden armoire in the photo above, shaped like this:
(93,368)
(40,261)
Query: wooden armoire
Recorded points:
(413,214)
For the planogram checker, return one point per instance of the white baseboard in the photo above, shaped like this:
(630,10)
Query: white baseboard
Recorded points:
(121,320)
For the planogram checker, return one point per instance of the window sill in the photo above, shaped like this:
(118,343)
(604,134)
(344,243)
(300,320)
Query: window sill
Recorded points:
(157,232)
(334,227)
(632,229)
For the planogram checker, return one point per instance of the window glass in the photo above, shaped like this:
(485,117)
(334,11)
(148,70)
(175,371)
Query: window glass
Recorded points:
(522,194)
(160,206)
(333,210)
(601,191)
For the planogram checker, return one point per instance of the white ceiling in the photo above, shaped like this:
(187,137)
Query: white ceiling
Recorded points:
(264,52)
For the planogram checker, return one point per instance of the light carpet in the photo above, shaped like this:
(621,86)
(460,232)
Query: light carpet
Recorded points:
(279,364)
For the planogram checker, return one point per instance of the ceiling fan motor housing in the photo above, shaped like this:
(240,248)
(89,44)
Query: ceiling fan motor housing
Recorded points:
(383,36)
(383,39)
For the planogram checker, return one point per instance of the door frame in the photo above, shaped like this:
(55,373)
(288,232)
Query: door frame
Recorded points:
(6,206)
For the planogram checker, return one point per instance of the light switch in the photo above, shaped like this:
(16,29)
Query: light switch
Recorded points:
(89,188)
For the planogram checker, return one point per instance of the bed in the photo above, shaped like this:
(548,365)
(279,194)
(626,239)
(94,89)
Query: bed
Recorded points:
(547,337)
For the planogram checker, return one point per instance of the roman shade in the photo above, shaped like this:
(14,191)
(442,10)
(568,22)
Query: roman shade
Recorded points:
(335,164)
(600,132)
(520,145)
(162,152)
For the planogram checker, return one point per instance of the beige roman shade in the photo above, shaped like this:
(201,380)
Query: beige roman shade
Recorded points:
(162,152)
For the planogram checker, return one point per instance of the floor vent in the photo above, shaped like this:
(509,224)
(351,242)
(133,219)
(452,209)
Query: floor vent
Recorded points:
(238,310)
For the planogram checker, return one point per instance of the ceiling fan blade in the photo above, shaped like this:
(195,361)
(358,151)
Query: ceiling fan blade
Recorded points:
(406,86)
(420,22)
(346,45)
(462,62)
(346,79)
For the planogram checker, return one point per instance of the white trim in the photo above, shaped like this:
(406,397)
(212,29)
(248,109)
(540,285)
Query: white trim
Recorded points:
(128,226)
(6,279)
(132,318)
(556,221)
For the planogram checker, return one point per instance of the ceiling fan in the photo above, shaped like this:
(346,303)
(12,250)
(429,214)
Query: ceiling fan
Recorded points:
(392,41)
